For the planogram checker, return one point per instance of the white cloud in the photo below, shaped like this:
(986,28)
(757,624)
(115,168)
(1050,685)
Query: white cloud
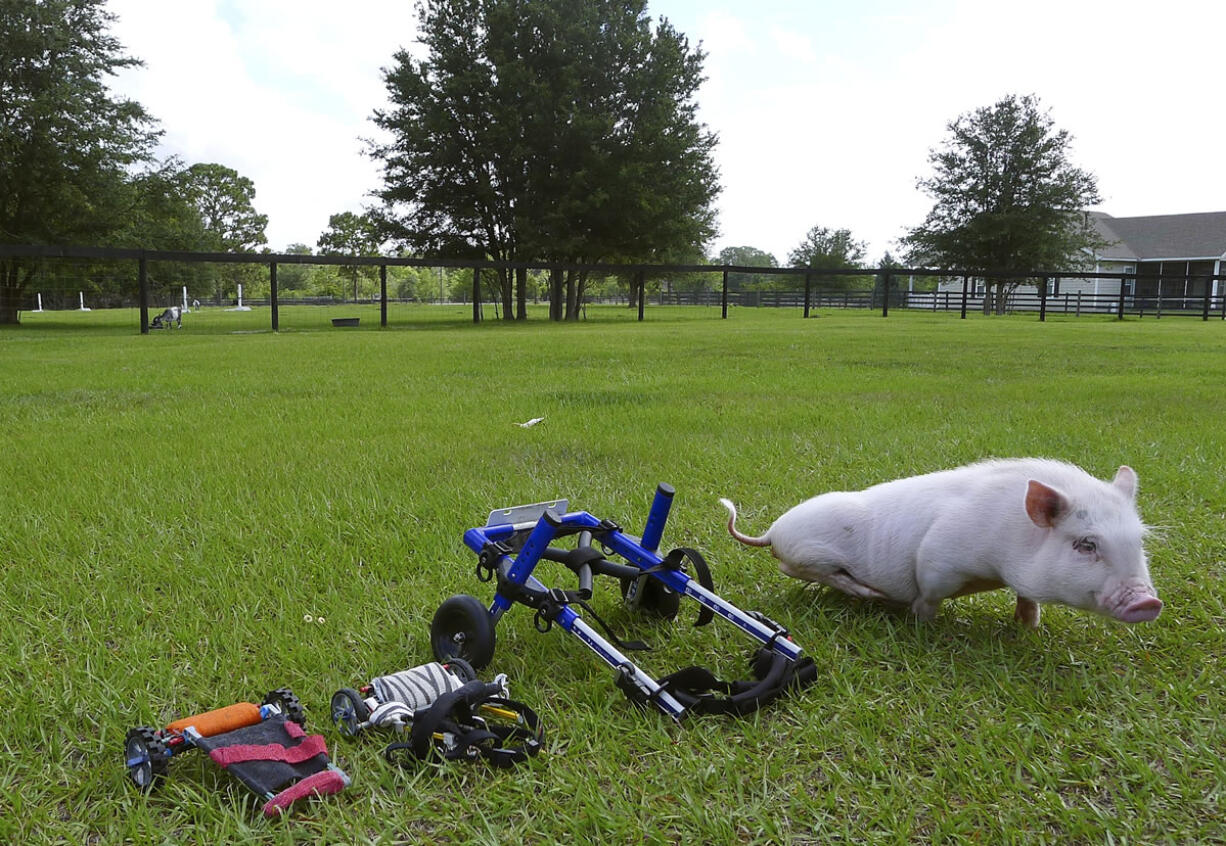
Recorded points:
(280,91)
(825,112)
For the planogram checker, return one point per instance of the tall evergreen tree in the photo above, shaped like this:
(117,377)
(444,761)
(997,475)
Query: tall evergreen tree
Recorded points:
(1007,198)
(546,130)
(65,141)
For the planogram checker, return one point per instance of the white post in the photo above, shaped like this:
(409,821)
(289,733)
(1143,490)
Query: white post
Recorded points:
(240,306)
(82,308)
(39,310)
(185,309)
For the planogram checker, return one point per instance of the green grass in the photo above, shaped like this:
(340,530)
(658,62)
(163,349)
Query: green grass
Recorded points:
(174,506)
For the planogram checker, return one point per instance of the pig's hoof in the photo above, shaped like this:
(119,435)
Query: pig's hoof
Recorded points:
(1027,612)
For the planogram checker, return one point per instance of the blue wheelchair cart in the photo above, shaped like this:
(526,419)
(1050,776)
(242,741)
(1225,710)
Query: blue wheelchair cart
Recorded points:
(515,540)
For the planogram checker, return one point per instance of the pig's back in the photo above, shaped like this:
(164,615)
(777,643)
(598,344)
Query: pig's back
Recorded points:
(983,504)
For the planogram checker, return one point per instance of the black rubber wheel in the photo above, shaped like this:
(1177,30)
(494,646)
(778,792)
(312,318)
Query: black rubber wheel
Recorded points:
(462,628)
(146,756)
(285,699)
(462,669)
(349,711)
(654,597)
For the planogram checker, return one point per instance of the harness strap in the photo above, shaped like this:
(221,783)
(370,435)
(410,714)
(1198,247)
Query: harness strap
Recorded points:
(674,561)
(322,783)
(238,754)
(696,687)
(623,645)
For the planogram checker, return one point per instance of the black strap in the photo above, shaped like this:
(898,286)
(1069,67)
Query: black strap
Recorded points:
(775,673)
(674,561)
(623,645)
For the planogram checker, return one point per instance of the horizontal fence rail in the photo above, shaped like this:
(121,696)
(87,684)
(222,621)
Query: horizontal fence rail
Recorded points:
(1042,292)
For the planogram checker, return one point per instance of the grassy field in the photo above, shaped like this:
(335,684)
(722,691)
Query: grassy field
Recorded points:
(196,517)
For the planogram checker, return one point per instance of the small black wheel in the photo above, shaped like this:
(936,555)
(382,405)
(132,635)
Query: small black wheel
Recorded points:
(288,704)
(462,628)
(652,597)
(463,670)
(146,756)
(349,711)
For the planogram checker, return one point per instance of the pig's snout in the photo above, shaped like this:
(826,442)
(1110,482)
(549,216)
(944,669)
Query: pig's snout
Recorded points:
(1134,603)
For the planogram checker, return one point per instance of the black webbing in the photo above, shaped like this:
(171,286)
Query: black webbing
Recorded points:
(696,688)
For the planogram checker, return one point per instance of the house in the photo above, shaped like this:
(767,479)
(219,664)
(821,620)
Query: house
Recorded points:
(1174,256)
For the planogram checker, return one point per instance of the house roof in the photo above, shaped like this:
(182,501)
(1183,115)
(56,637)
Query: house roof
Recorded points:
(1162,236)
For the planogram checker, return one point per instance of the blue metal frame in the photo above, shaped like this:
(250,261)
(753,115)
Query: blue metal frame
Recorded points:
(518,570)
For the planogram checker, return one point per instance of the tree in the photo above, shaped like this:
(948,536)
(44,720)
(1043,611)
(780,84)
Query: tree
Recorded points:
(745,257)
(294,277)
(828,248)
(66,143)
(546,130)
(225,201)
(1007,199)
(350,234)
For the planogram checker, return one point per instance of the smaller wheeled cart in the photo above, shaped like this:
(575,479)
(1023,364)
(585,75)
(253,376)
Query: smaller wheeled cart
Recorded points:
(442,711)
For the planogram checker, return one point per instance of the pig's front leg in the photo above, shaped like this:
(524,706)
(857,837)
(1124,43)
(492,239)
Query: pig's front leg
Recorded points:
(1027,612)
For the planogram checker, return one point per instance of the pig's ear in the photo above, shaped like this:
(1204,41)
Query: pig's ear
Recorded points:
(1044,505)
(1126,480)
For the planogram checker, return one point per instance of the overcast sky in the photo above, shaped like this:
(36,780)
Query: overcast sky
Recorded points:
(826,111)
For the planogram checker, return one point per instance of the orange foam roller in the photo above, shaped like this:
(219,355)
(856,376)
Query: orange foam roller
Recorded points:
(222,720)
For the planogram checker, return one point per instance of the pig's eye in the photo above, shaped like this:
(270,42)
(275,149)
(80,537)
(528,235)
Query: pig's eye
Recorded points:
(1086,546)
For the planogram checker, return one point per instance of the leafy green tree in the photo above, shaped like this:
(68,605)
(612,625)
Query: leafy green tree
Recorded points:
(1007,198)
(66,143)
(746,257)
(350,234)
(225,201)
(824,248)
(546,130)
(294,277)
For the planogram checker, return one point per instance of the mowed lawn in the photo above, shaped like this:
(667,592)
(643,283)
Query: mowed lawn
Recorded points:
(196,517)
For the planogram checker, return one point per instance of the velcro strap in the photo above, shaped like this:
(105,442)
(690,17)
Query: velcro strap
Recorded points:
(702,573)
(696,687)
(237,754)
(322,783)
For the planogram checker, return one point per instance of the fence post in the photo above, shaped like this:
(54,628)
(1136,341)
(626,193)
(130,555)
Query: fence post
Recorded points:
(142,276)
(885,290)
(273,296)
(1043,299)
(142,280)
(808,285)
(1204,315)
(1120,315)
(383,296)
(723,300)
(641,282)
(965,282)
(476,295)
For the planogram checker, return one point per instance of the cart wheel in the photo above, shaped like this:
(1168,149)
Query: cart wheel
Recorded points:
(349,711)
(462,628)
(462,669)
(285,700)
(653,597)
(146,756)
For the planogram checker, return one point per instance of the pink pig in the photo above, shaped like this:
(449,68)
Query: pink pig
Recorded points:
(1045,529)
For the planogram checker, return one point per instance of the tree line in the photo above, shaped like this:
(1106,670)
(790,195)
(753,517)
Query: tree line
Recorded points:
(553,131)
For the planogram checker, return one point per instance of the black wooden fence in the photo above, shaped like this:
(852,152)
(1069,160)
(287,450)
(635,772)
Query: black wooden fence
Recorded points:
(813,288)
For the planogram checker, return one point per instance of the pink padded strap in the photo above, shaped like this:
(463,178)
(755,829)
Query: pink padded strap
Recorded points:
(320,784)
(309,748)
